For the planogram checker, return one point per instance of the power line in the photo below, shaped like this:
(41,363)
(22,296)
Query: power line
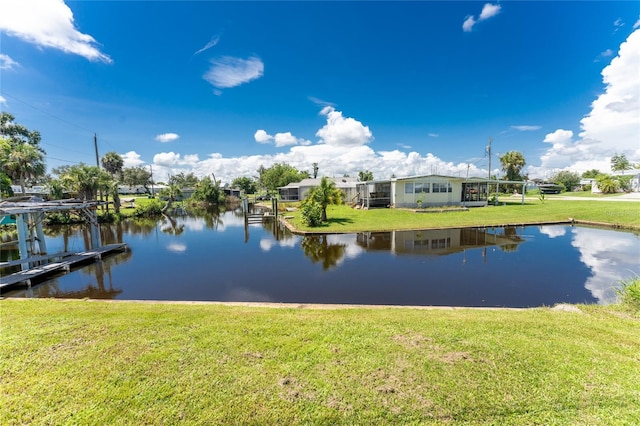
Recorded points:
(45,112)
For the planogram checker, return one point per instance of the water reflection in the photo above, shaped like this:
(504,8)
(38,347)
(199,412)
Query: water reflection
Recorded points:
(440,242)
(213,255)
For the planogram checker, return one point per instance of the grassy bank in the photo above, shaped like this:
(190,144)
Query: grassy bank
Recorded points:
(131,363)
(346,219)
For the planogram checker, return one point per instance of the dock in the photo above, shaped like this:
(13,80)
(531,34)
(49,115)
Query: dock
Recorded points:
(65,263)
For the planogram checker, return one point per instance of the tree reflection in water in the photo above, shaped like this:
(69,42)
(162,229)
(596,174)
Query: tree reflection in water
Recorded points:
(318,249)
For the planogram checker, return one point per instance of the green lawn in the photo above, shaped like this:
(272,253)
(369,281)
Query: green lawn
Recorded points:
(345,219)
(86,362)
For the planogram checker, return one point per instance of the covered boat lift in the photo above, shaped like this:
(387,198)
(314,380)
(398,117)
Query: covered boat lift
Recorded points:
(34,259)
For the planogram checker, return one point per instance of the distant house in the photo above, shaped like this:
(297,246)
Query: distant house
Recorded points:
(426,191)
(296,191)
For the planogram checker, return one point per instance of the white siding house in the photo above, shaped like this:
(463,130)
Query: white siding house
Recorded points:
(297,191)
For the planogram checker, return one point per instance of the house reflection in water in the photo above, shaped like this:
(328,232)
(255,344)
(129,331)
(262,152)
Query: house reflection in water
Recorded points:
(440,241)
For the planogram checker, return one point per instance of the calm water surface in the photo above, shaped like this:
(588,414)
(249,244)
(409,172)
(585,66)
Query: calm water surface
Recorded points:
(211,256)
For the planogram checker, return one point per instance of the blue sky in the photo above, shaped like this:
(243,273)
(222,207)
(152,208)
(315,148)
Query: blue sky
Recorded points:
(398,88)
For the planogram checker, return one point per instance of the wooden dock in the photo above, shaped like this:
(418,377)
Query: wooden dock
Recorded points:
(64,264)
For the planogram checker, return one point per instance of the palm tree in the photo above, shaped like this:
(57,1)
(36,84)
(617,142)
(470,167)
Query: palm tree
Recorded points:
(172,193)
(324,194)
(21,162)
(85,180)
(112,162)
(512,163)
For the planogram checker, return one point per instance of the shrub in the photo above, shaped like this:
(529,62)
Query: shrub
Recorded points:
(151,208)
(629,294)
(311,212)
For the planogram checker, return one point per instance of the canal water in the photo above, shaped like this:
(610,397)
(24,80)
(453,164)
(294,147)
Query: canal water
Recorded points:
(212,256)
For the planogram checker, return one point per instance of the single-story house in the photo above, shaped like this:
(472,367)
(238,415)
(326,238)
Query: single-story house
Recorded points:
(427,191)
(296,191)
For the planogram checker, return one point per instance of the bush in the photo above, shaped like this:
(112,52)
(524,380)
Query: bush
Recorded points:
(311,212)
(629,294)
(151,208)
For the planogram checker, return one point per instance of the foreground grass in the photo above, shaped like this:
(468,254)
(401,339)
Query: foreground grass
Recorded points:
(345,219)
(130,363)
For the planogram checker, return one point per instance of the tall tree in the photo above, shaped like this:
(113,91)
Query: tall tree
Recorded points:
(134,176)
(512,164)
(21,162)
(183,180)
(324,194)
(208,191)
(365,175)
(112,162)
(567,179)
(18,134)
(85,180)
(593,173)
(246,184)
(619,163)
(315,170)
(280,174)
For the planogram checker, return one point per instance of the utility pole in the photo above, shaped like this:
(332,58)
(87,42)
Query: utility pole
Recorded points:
(153,192)
(95,145)
(489,154)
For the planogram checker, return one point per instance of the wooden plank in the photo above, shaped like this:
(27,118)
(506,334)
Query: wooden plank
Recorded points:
(34,259)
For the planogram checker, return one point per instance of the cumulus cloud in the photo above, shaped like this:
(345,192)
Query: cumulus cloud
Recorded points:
(167,137)
(612,126)
(6,63)
(526,128)
(48,23)
(262,136)
(280,139)
(228,71)
(131,159)
(341,131)
(610,261)
(488,11)
(637,24)
(343,149)
(172,159)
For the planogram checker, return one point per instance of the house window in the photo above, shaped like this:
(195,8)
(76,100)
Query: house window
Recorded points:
(422,188)
(441,187)
(408,188)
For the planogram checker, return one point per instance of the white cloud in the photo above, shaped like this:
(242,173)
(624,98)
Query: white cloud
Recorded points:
(343,150)
(468,24)
(227,72)
(610,260)
(6,63)
(131,159)
(214,40)
(48,23)
(526,128)
(262,136)
(637,24)
(284,139)
(341,131)
(280,139)
(177,247)
(612,126)
(434,135)
(167,137)
(172,159)
(3,101)
(488,11)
